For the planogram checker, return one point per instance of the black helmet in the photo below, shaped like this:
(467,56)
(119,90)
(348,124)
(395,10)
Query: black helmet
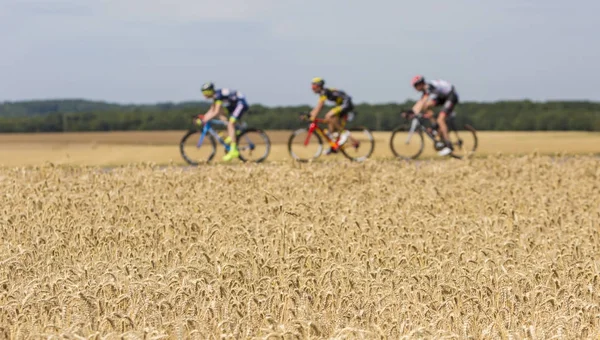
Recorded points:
(208,88)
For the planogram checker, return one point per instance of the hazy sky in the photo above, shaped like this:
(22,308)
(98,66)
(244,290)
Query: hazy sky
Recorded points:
(141,51)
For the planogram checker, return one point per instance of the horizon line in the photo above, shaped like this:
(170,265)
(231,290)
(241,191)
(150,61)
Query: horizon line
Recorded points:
(20,101)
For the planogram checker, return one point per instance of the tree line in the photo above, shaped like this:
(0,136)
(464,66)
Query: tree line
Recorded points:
(82,115)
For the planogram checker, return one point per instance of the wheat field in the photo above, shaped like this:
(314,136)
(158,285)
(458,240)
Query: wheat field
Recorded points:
(495,248)
(161,147)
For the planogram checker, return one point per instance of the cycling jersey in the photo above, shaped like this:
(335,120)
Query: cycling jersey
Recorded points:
(334,95)
(443,94)
(233,101)
(342,100)
(228,97)
(440,88)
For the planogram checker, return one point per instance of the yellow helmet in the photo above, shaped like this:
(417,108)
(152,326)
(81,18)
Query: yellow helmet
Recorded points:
(318,81)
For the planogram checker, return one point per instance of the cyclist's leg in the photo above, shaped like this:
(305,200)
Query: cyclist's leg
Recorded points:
(347,107)
(234,118)
(222,114)
(442,127)
(236,113)
(451,119)
(428,109)
(333,118)
(338,112)
(445,113)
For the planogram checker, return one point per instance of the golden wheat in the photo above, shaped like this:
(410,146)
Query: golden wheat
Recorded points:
(162,147)
(486,248)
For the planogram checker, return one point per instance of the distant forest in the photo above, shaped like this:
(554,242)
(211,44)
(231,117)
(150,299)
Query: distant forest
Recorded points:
(83,115)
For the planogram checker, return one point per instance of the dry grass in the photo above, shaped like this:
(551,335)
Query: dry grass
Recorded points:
(119,148)
(315,251)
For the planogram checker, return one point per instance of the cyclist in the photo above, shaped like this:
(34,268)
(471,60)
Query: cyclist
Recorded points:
(225,101)
(436,93)
(343,106)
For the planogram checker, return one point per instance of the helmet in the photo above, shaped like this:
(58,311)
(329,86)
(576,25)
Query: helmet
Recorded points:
(208,88)
(318,81)
(416,80)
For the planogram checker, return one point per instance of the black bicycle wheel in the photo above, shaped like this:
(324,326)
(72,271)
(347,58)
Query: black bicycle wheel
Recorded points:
(305,148)
(360,144)
(405,145)
(194,154)
(464,142)
(254,145)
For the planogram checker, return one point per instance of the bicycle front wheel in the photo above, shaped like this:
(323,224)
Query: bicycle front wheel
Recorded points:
(405,144)
(464,142)
(305,147)
(254,145)
(360,144)
(195,151)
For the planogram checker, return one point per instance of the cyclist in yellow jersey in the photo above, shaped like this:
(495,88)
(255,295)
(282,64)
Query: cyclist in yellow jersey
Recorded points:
(343,106)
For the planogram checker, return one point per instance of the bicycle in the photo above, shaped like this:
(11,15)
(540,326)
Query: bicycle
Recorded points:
(248,140)
(416,126)
(312,137)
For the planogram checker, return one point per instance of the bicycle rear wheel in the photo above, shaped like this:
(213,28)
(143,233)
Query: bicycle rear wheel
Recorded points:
(360,144)
(464,142)
(194,152)
(304,147)
(254,145)
(406,145)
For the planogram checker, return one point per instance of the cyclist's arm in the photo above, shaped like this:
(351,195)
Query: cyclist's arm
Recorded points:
(315,111)
(213,111)
(429,103)
(420,104)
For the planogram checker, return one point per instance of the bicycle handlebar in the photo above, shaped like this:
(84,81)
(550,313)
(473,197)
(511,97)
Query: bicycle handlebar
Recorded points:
(306,116)
(214,120)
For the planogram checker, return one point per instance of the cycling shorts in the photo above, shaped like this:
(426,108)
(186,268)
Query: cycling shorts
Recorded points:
(344,108)
(237,111)
(448,102)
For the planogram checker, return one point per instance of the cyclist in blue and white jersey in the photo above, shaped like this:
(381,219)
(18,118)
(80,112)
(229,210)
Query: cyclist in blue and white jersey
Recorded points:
(225,102)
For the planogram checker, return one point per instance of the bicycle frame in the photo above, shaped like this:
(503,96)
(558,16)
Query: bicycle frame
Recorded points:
(207,128)
(416,123)
(314,127)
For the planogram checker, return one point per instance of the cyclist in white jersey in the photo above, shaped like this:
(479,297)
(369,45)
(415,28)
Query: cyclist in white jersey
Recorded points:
(436,93)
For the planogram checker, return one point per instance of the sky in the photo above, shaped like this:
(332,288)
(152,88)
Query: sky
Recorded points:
(147,51)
